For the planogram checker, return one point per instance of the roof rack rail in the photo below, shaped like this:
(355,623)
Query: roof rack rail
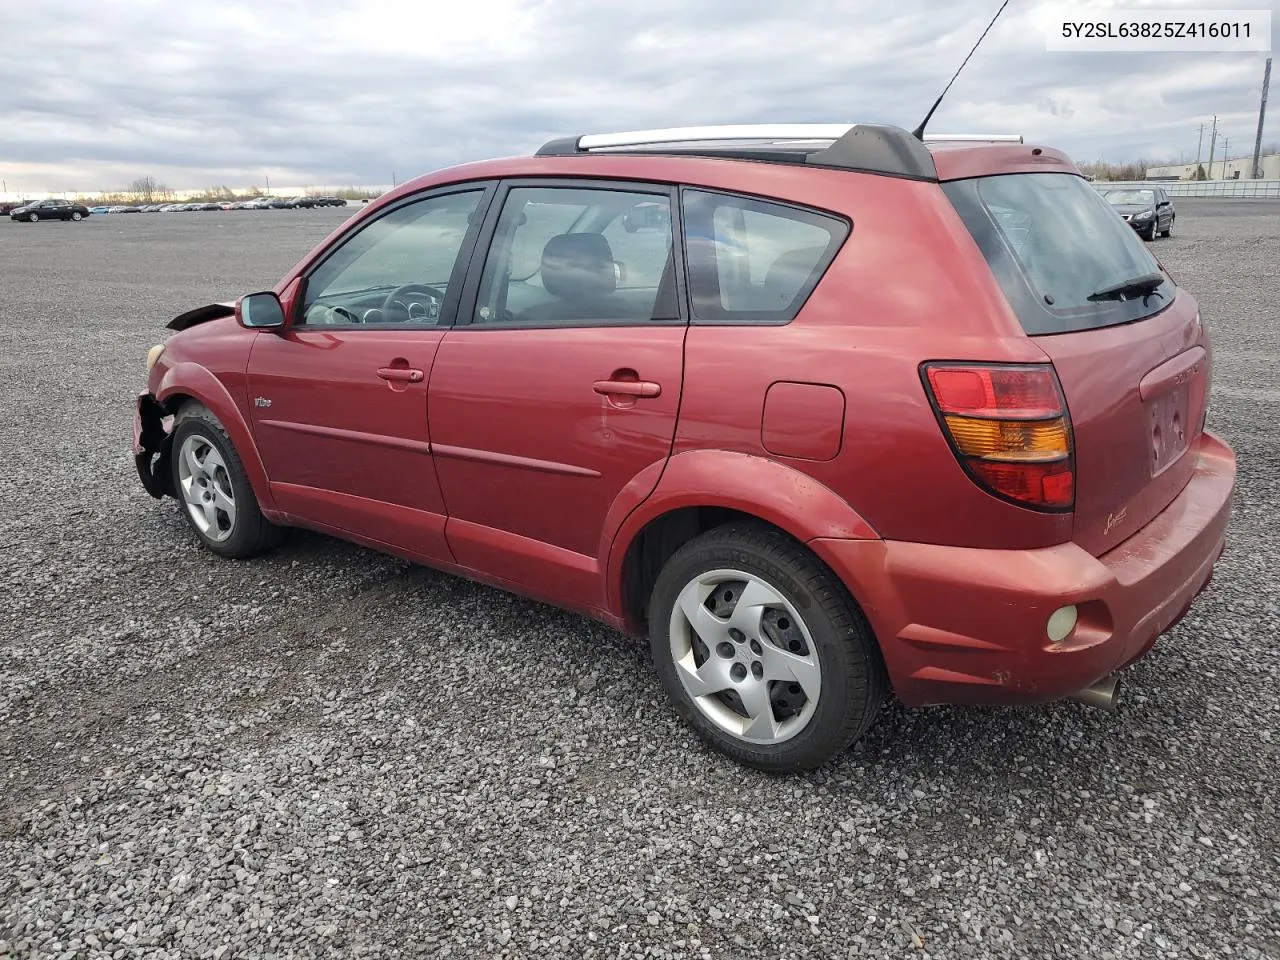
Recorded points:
(739,131)
(869,148)
(973,138)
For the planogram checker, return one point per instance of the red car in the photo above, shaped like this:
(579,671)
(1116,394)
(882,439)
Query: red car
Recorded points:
(829,414)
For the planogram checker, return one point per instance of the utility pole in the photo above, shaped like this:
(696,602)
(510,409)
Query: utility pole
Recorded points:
(1213,139)
(1226,156)
(1200,143)
(1262,113)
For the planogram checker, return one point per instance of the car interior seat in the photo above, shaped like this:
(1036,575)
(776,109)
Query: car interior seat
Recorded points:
(578,270)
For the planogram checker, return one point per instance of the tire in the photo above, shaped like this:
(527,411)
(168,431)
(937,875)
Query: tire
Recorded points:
(1151,234)
(830,640)
(76,215)
(33,217)
(213,490)
(1169,231)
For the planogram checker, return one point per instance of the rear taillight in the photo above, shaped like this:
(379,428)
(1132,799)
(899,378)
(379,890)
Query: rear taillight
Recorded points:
(1009,427)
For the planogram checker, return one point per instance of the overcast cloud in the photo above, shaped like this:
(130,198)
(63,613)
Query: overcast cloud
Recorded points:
(96,93)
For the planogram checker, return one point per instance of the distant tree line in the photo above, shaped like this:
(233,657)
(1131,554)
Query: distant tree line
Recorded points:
(151,190)
(1137,169)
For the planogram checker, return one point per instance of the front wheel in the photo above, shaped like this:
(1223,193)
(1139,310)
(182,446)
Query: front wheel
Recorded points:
(32,217)
(1169,230)
(210,482)
(1151,234)
(762,650)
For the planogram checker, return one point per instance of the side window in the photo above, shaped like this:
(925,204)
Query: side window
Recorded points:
(579,255)
(753,260)
(396,269)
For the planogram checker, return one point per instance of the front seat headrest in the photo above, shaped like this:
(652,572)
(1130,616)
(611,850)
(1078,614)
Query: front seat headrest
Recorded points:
(578,266)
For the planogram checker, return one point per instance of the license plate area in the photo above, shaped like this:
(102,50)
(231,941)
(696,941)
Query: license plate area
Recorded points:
(1168,427)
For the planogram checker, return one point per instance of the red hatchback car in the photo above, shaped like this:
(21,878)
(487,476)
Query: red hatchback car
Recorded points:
(828,412)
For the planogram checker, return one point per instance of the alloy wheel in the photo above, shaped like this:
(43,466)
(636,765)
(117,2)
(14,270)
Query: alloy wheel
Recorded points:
(745,657)
(206,488)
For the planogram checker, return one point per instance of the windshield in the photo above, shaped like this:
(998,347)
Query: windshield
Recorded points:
(1053,243)
(1131,196)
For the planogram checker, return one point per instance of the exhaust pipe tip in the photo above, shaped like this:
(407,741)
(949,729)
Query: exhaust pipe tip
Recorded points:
(1103,694)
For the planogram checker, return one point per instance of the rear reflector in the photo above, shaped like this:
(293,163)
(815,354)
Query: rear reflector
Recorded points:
(1009,427)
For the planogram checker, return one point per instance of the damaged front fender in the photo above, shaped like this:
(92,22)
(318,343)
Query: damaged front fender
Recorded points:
(152,443)
(213,311)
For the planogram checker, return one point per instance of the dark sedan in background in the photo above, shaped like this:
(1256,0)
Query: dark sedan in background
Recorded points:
(49,210)
(1147,210)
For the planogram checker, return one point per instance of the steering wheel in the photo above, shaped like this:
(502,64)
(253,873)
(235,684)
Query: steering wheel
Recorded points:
(397,296)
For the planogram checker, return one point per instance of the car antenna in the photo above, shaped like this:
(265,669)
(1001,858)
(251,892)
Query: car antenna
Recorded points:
(918,132)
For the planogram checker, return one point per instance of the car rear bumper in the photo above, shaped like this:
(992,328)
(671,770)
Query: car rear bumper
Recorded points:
(968,626)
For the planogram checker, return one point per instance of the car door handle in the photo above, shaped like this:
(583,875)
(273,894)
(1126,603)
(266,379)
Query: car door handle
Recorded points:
(627,388)
(401,374)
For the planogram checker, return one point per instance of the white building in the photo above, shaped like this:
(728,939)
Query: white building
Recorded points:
(1240,168)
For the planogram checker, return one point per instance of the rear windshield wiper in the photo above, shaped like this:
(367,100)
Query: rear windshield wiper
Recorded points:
(1144,285)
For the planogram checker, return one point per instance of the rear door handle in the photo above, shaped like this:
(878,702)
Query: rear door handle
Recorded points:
(402,374)
(628,388)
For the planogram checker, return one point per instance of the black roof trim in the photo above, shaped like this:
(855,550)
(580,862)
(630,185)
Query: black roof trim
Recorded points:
(866,148)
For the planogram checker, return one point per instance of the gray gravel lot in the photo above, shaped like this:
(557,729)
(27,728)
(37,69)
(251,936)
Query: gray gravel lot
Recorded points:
(327,752)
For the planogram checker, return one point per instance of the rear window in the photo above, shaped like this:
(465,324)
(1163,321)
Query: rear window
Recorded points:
(1054,244)
(754,261)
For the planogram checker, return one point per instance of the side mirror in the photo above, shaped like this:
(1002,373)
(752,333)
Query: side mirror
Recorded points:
(260,311)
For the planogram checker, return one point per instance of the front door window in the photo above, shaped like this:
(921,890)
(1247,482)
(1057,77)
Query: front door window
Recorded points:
(398,270)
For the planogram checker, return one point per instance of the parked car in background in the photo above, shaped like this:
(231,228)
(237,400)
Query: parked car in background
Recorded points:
(304,203)
(50,209)
(1149,210)
(99,209)
(848,415)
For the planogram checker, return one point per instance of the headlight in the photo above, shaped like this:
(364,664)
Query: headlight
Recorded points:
(153,355)
(1144,215)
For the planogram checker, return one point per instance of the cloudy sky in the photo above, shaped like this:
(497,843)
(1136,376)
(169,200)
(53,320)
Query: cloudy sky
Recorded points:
(96,93)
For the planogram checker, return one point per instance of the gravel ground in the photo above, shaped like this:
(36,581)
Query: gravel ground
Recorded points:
(329,752)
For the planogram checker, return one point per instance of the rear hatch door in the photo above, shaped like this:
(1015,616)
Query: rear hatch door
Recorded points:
(1127,344)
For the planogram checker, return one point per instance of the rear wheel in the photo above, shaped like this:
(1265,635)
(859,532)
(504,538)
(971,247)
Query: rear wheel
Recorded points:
(762,650)
(211,484)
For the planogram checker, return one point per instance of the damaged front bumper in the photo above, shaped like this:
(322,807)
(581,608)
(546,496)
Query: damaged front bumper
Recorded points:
(152,441)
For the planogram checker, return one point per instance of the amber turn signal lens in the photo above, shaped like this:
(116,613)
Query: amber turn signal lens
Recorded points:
(1023,440)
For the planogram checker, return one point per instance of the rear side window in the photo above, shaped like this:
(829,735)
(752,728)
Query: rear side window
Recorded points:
(570,255)
(754,261)
(1059,251)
